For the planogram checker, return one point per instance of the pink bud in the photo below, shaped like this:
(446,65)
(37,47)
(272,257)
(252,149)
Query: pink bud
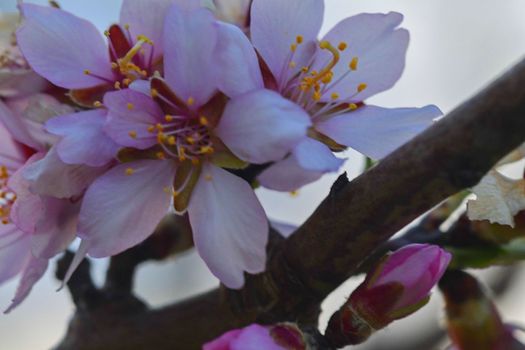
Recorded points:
(417,267)
(279,337)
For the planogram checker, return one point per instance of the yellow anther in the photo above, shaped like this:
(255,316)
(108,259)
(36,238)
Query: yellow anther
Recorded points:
(190,101)
(154,93)
(175,194)
(292,64)
(159,127)
(361,87)
(206,150)
(87,72)
(353,63)
(182,154)
(114,65)
(316,96)
(97,104)
(294,193)
(145,39)
(172,140)
(293,47)
(305,69)
(5,221)
(195,161)
(168,118)
(132,134)
(126,81)
(161,137)
(203,120)
(342,46)
(126,26)
(352,106)
(160,155)
(117,85)
(130,106)
(129,171)
(106,32)
(334,96)
(328,78)
(151,128)
(324,45)
(299,39)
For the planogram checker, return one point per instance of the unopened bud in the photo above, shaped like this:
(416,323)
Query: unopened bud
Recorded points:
(396,288)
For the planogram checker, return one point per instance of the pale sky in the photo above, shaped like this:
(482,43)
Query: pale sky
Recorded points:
(456,48)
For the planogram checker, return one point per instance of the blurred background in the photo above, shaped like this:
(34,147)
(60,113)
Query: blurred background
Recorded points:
(456,48)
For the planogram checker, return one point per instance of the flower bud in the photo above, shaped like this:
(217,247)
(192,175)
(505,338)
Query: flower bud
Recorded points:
(473,322)
(284,336)
(397,287)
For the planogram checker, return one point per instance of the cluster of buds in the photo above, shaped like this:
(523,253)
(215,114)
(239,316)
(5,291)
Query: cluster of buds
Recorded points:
(396,288)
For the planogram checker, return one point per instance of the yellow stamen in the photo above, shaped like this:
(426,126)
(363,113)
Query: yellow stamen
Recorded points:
(161,155)
(114,65)
(172,141)
(195,161)
(299,39)
(361,87)
(106,32)
(353,63)
(154,93)
(203,120)
(292,64)
(97,104)
(190,101)
(342,46)
(87,72)
(132,134)
(168,118)
(352,106)
(151,128)
(117,85)
(293,47)
(129,171)
(130,106)
(334,96)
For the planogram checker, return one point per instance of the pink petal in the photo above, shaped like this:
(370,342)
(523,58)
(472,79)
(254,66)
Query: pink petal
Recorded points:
(229,225)
(120,210)
(124,118)
(56,227)
(189,63)
(239,72)
(379,47)
(15,251)
(287,176)
(28,207)
(146,17)
(51,177)
(32,273)
(16,127)
(223,342)
(376,131)
(33,112)
(314,156)
(60,47)
(84,141)
(255,337)
(275,25)
(262,126)
(20,82)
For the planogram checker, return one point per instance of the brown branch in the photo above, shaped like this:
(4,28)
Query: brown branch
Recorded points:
(354,220)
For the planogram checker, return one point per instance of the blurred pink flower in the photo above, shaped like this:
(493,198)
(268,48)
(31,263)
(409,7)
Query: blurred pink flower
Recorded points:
(255,337)
(327,81)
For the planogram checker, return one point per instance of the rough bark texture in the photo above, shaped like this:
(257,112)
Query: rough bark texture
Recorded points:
(355,219)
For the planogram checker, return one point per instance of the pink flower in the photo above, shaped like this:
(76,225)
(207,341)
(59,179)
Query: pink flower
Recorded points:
(279,337)
(81,59)
(401,283)
(326,80)
(172,157)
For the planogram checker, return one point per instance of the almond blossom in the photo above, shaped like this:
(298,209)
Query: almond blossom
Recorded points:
(82,61)
(172,158)
(327,80)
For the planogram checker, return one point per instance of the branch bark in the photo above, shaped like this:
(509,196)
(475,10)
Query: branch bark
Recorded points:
(353,221)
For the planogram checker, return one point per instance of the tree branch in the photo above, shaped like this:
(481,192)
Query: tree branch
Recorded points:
(355,219)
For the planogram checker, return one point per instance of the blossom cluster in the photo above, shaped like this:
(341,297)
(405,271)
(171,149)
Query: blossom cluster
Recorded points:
(103,134)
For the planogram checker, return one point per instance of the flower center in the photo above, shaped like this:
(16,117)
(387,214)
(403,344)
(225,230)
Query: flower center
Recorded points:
(7,197)
(314,90)
(129,61)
